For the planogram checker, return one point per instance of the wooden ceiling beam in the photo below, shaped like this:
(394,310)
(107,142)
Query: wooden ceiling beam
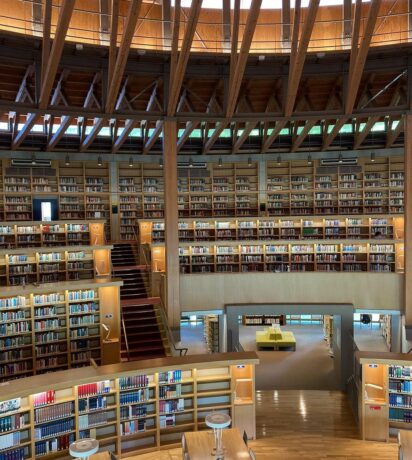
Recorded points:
(357,66)
(362,135)
(114,25)
(122,54)
(174,56)
(393,134)
(97,126)
(104,22)
(179,69)
(302,136)
(153,138)
(250,126)
(298,58)
(237,76)
(190,127)
(166,23)
(271,138)
(49,75)
(234,39)
(46,42)
(330,137)
(219,127)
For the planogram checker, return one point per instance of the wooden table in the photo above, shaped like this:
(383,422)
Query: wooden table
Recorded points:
(405,444)
(100,456)
(198,445)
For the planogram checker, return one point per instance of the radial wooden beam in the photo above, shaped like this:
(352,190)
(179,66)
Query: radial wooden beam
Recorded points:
(174,56)
(271,138)
(36,12)
(220,126)
(347,19)
(235,39)
(114,24)
(166,23)
(45,51)
(356,68)
(298,59)
(179,69)
(355,37)
(237,75)
(63,22)
(393,134)
(122,54)
(362,135)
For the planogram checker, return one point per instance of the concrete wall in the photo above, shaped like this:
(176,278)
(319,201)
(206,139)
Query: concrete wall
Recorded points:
(362,290)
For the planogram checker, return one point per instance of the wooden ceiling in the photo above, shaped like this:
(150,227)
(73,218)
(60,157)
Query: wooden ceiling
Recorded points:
(51,82)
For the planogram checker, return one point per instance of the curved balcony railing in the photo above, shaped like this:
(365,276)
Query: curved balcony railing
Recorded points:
(392,28)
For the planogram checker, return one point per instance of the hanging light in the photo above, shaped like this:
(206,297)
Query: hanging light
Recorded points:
(190,163)
(249,162)
(100,161)
(340,158)
(67,162)
(161,163)
(33,159)
(372,157)
(309,159)
(131,162)
(220,164)
(279,160)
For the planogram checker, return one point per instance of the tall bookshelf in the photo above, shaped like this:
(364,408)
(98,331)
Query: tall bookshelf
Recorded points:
(267,229)
(55,327)
(335,256)
(131,411)
(372,186)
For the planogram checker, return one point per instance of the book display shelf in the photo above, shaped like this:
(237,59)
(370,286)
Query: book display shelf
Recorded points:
(131,408)
(211,333)
(370,187)
(81,188)
(263,320)
(386,394)
(54,327)
(51,234)
(50,265)
(384,256)
(334,227)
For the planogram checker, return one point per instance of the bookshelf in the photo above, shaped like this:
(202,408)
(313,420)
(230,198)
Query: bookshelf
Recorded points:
(50,234)
(386,396)
(370,187)
(55,327)
(263,320)
(311,256)
(266,229)
(132,408)
(211,333)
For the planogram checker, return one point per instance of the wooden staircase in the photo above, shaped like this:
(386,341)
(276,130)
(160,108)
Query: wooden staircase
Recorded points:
(143,335)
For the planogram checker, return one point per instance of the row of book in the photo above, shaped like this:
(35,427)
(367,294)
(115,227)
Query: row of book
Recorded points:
(175,405)
(400,371)
(132,426)
(134,381)
(15,454)
(93,389)
(92,403)
(142,394)
(174,391)
(57,411)
(53,429)
(56,444)
(90,420)
(400,400)
(11,422)
(170,376)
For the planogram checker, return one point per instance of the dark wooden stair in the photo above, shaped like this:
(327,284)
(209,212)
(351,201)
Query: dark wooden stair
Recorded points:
(139,311)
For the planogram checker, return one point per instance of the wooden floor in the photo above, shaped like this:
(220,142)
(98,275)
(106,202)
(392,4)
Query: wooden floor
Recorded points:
(304,425)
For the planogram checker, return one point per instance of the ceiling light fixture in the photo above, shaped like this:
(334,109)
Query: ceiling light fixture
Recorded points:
(309,159)
(100,161)
(131,162)
(249,162)
(279,160)
(67,162)
(340,158)
(161,163)
(220,164)
(372,157)
(190,163)
(33,159)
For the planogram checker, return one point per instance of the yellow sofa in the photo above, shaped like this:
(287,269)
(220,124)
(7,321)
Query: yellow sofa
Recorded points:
(274,337)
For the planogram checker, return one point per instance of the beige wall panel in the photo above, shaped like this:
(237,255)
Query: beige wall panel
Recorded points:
(366,290)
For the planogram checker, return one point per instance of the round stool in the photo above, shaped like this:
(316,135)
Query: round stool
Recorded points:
(218,421)
(83,448)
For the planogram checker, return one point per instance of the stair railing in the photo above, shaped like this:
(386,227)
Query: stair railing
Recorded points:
(181,351)
(125,339)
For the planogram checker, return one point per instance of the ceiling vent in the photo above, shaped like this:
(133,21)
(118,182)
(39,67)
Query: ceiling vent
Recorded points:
(339,162)
(31,163)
